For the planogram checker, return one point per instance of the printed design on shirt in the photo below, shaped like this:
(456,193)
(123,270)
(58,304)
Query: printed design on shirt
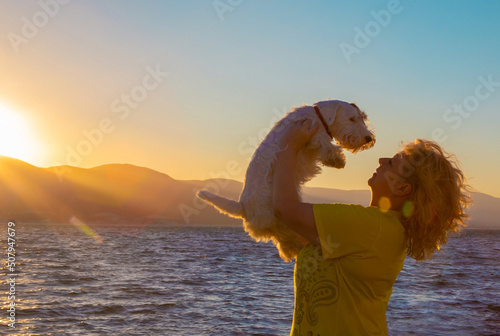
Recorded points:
(322,293)
(312,289)
(299,314)
(296,332)
(309,263)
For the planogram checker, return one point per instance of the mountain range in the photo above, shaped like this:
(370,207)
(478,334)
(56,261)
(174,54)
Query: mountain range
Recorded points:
(128,194)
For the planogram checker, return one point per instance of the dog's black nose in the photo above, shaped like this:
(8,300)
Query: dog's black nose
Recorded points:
(368,139)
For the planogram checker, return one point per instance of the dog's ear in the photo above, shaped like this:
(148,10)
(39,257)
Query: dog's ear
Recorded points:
(329,109)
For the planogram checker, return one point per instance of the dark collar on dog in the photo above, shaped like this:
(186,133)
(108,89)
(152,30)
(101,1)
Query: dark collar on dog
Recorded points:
(318,113)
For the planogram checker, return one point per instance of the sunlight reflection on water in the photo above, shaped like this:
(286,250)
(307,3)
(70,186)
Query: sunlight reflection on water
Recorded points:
(208,281)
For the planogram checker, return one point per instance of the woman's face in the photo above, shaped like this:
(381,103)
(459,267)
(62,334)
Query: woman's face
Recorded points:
(386,177)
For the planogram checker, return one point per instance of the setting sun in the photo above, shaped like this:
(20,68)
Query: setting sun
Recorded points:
(16,137)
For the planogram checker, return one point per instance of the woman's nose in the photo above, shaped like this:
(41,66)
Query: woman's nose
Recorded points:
(382,161)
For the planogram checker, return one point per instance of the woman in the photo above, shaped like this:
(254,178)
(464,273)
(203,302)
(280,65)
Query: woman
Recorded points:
(344,275)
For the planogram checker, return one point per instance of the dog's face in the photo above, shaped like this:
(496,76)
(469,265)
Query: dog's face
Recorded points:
(348,125)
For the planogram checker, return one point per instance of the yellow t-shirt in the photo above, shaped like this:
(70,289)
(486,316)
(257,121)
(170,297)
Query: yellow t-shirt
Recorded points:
(344,286)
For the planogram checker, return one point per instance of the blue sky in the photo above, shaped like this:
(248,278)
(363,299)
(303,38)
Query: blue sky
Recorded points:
(233,70)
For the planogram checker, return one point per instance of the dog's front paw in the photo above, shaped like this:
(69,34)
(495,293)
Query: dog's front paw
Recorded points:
(337,160)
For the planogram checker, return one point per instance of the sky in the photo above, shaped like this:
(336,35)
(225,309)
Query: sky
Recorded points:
(189,88)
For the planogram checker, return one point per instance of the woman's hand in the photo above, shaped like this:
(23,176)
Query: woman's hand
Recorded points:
(298,135)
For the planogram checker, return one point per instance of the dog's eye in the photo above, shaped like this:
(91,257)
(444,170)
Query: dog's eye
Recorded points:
(353,119)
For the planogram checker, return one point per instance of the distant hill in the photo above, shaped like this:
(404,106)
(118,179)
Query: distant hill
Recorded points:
(484,212)
(114,193)
(123,193)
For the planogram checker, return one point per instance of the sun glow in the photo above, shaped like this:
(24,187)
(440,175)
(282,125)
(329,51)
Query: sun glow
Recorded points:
(16,136)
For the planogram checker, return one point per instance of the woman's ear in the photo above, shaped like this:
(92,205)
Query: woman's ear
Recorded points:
(402,189)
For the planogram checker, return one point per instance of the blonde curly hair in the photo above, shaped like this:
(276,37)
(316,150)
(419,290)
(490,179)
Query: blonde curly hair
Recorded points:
(438,199)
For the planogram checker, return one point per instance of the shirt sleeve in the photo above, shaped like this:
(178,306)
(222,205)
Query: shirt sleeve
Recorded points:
(346,229)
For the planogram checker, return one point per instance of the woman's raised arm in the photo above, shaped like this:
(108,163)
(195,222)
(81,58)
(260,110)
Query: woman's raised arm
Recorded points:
(287,205)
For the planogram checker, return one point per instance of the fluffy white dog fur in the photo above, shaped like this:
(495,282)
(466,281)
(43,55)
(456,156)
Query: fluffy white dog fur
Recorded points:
(347,125)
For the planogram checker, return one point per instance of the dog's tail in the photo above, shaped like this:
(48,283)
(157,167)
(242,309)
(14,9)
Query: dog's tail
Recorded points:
(224,205)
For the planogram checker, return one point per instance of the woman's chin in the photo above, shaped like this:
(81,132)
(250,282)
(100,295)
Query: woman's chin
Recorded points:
(370,180)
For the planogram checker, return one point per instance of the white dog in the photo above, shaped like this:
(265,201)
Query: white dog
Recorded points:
(342,121)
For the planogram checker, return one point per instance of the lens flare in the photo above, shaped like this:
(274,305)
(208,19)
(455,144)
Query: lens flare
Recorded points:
(86,229)
(407,209)
(384,204)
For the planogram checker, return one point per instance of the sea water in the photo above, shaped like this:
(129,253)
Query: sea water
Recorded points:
(174,280)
